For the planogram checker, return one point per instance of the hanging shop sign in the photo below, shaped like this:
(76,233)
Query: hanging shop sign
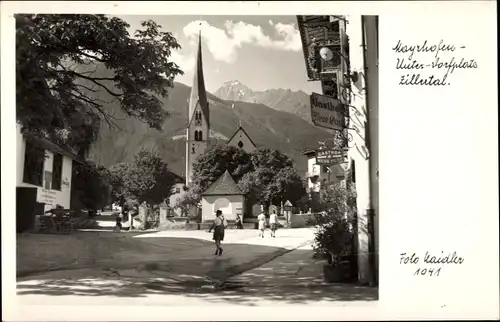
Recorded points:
(330,157)
(319,34)
(327,112)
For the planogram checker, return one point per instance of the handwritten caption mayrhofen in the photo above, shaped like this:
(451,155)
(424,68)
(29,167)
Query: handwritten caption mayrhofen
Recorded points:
(430,64)
(430,264)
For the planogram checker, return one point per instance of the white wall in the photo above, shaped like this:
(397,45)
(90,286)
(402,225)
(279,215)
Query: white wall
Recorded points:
(20,150)
(358,118)
(61,197)
(176,197)
(241,136)
(230,206)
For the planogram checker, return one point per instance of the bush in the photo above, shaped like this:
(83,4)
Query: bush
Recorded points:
(334,233)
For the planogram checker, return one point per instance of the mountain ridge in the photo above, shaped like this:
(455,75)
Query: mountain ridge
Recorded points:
(294,102)
(266,126)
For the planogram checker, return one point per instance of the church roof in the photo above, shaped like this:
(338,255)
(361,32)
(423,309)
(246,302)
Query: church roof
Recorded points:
(225,185)
(198,91)
(243,130)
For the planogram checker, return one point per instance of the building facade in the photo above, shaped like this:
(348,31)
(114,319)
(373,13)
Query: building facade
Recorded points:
(223,195)
(363,60)
(318,175)
(46,167)
(342,53)
(242,140)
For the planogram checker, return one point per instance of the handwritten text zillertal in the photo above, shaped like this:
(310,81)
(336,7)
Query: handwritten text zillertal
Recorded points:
(430,64)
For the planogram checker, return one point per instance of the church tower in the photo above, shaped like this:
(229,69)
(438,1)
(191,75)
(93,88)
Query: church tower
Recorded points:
(198,130)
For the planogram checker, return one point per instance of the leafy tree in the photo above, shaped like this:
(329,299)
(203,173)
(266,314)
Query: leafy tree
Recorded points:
(211,165)
(91,184)
(274,178)
(57,87)
(146,179)
(117,179)
(337,224)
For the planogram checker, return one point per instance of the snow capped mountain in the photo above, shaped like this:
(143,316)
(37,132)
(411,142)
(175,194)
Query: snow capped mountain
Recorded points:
(236,91)
(296,103)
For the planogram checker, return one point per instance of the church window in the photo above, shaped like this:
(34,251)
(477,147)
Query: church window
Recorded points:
(198,136)
(192,150)
(198,115)
(240,145)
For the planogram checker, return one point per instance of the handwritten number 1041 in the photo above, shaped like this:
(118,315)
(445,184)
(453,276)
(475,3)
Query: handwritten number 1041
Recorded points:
(428,272)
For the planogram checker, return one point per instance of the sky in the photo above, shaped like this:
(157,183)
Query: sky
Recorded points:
(262,52)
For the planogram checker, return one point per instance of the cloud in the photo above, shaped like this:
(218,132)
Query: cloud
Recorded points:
(223,44)
(186,63)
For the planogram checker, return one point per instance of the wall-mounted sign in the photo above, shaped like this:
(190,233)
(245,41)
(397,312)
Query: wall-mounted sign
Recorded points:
(46,196)
(329,157)
(327,112)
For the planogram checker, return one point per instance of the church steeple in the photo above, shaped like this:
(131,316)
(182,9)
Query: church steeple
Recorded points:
(198,130)
(198,91)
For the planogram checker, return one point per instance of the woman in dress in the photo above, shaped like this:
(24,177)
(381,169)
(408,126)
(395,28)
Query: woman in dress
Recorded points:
(219,227)
(261,219)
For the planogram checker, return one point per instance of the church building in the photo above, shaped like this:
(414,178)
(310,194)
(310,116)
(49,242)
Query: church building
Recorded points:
(242,140)
(197,136)
(198,130)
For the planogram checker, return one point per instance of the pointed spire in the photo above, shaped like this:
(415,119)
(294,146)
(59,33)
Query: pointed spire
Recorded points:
(239,123)
(198,92)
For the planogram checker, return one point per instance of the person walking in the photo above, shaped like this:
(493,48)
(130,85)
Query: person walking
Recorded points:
(219,227)
(261,219)
(239,222)
(273,222)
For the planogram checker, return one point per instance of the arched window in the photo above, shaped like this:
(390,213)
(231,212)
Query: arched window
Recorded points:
(198,136)
(198,115)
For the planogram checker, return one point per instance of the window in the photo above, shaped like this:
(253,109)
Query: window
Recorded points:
(177,190)
(240,145)
(57,171)
(34,158)
(197,115)
(198,136)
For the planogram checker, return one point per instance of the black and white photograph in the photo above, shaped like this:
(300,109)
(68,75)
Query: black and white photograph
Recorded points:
(196,159)
(245,160)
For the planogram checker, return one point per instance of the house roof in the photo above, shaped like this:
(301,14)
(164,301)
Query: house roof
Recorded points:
(49,145)
(309,152)
(225,185)
(244,132)
(178,177)
(198,91)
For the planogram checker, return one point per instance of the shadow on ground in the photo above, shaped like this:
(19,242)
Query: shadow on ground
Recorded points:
(214,280)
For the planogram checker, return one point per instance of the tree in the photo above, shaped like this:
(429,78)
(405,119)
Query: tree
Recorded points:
(117,180)
(336,228)
(274,178)
(90,182)
(57,92)
(211,165)
(146,179)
